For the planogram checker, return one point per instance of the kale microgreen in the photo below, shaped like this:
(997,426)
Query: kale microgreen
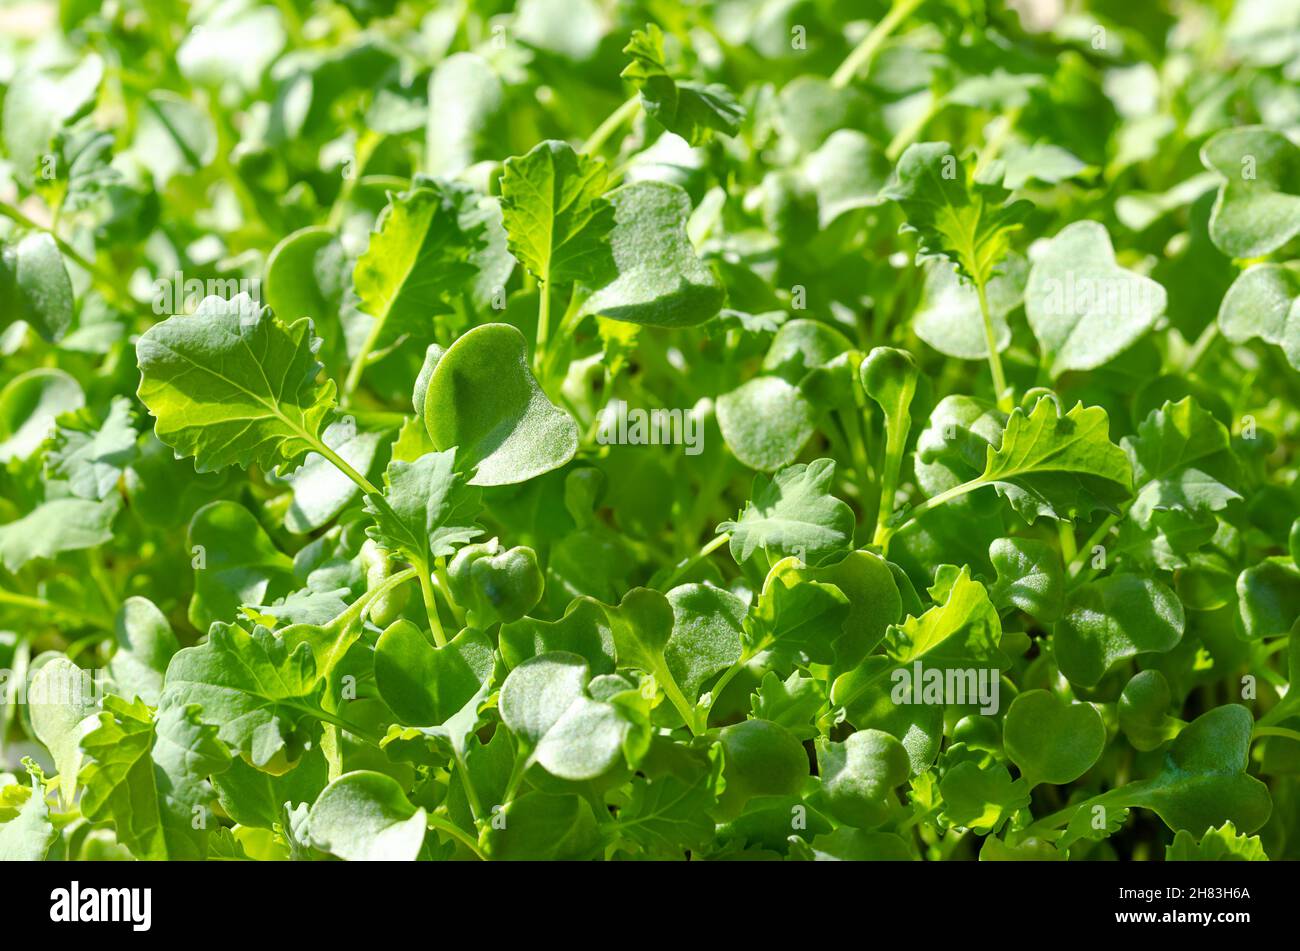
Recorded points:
(558,431)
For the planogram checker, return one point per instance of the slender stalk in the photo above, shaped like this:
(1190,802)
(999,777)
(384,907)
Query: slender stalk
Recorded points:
(359,362)
(1276,731)
(912,131)
(889,531)
(622,114)
(1076,564)
(858,453)
(1065,531)
(431,605)
(1202,345)
(355,729)
(859,60)
(367,142)
(543,323)
(360,604)
(49,607)
(684,566)
(995,359)
(678,700)
(999,138)
(895,444)
(345,467)
(471,794)
(457,833)
(444,588)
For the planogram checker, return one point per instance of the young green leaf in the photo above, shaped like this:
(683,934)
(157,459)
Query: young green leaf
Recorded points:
(483,401)
(793,513)
(966,222)
(1258,207)
(1264,302)
(766,422)
(692,110)
(556,217)
(149,778)
(1052,741)
(425,685)
(653,276)
(1115,617)
(365,816)
(1083,307)
(1059,466)
(232,385)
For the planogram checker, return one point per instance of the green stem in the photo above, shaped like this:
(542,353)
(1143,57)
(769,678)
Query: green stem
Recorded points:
(543,324)
(444,588)
(354,728)
(1065,531)
(345,467)
(359,362)
(367,142)
(678,700)
(1202,345)
(858,452)
(895,443)
(49,607)
(431,604)
(859,60)
(889,531)
(622,114)
(457,833)
(686,564)
(999,139)
(910,132)
(1076,564)
(1277,731)
(471,794)
(359,606)
(995,359)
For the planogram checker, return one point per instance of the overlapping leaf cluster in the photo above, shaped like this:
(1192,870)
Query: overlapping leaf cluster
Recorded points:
(314,544)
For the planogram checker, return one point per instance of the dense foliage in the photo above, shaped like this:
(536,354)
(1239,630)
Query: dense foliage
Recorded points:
(636,429)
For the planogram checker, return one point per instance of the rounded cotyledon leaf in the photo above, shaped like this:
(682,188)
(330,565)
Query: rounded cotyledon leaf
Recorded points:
(483,399)
(1112,618)
(1051,740)
(426,685)
(949,317)
(760,758)
(145,645)
(29,404)
(34,286)
(1258,206)
(765,422)
(495,584)
(1031,577)
(1143,711)
(1203,781)
(1083,307)
(660,281)
(365,816)
(1264,302)
(859,774)
(544,703)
